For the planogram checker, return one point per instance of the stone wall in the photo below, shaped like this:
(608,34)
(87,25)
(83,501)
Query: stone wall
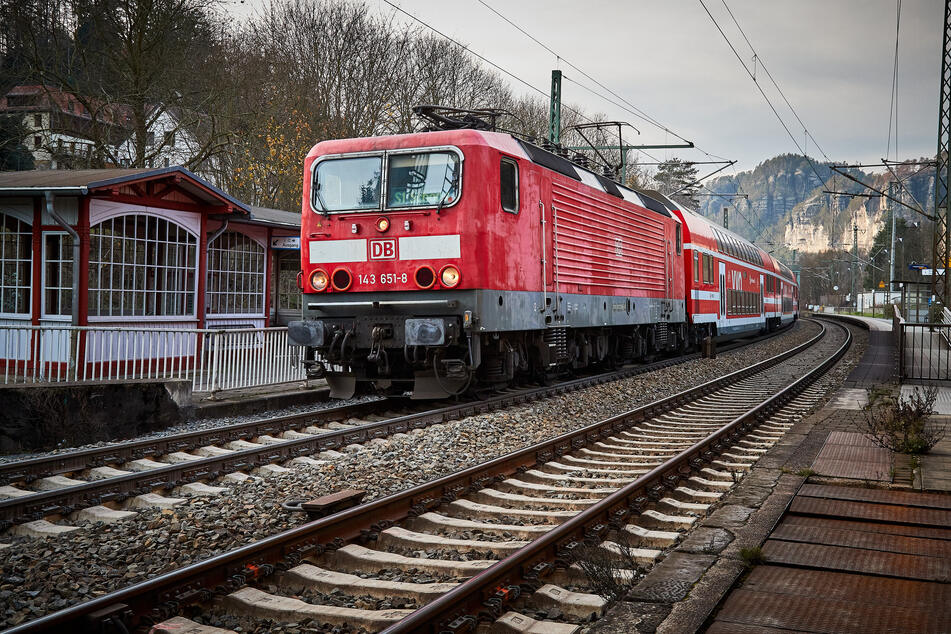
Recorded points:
(43,417)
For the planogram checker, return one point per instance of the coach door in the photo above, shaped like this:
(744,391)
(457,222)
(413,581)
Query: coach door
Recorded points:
(722,290)
(761,307)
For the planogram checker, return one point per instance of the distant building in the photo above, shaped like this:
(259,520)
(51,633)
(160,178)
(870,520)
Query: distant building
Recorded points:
(64,134)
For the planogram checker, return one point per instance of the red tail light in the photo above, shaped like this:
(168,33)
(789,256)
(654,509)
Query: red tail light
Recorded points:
(341,279)
(425,276)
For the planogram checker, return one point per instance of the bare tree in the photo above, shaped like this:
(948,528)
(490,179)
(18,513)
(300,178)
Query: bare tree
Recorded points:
(128,64)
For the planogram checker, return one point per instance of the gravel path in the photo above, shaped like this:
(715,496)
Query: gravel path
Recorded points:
(38,576)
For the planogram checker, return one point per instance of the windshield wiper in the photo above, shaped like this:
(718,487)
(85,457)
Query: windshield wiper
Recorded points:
(320,199)
(446,195)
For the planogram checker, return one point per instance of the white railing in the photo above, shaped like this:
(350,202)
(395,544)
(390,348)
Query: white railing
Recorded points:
(213,360)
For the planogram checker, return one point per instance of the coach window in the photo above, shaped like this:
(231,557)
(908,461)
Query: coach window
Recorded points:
(508,177)
(696,266)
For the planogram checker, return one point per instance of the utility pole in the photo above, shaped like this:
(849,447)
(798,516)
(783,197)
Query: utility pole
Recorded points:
(726,217)
(554,111)
(942,248)
(855,256)
(892,188)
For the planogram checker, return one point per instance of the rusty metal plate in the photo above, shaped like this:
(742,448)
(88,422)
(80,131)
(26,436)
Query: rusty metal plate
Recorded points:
(924,532)
(830,534)
(721,627)
(852,455)
(841,586)
(886,513)
(858,560)
(784,611)
(881,496)
(849,438)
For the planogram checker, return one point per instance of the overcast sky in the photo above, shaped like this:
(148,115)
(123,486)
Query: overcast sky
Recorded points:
(833,60)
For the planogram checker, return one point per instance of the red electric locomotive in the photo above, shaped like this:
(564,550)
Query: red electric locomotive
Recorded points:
(438,260)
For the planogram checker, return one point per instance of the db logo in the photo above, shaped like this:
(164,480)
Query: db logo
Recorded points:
(382,249)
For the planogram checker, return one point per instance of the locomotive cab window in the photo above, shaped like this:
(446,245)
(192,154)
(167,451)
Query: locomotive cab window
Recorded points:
(422,179)
(348,183)
(508,178)
(679,238)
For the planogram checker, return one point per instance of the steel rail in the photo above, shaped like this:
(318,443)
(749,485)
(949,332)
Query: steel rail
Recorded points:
(73,461)
(31,469)
(156,599)
(66,500)
(457,609)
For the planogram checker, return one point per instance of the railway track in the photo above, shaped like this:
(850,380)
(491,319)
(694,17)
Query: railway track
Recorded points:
(108,483)
(500,541)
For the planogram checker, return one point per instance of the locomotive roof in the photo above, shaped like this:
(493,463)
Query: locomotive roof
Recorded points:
(506,143)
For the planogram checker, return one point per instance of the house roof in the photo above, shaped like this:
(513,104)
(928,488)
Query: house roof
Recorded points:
(275,217)
(83,182)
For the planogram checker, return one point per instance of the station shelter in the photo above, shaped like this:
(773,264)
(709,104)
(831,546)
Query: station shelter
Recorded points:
(136,249)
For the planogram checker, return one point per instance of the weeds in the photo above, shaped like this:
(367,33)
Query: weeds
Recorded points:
(753,556)
(902,424)
(806,472)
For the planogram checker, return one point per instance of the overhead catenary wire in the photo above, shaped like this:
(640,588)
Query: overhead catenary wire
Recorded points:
(626,104)
(893,102)
(758,58)
(637,112)
(522,81)
(763,93)
(490,62)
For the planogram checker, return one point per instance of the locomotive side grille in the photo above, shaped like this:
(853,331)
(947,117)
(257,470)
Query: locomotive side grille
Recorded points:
(557,341)
(602,244)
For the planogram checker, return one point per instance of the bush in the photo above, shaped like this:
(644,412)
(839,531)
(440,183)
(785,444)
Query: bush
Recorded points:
(612,572)
(902,424)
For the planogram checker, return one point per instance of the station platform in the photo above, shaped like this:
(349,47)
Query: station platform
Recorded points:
(259,400)
(827,533)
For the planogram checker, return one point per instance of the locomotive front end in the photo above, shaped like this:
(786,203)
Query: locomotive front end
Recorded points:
(382,267)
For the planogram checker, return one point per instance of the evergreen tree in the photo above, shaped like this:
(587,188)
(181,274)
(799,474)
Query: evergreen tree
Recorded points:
(13,154)
(677,175)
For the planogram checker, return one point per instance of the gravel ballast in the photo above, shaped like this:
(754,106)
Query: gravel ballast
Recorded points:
(38,576)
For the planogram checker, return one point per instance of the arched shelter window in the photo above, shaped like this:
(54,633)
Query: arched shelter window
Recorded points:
(235,275)
(16,265)
(141,266)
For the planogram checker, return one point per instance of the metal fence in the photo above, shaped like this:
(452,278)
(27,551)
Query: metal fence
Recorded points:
(924,349)
(213,360)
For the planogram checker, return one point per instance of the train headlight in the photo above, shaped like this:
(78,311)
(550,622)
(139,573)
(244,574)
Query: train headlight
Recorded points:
(382,224)
(449,276)
(319,280)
